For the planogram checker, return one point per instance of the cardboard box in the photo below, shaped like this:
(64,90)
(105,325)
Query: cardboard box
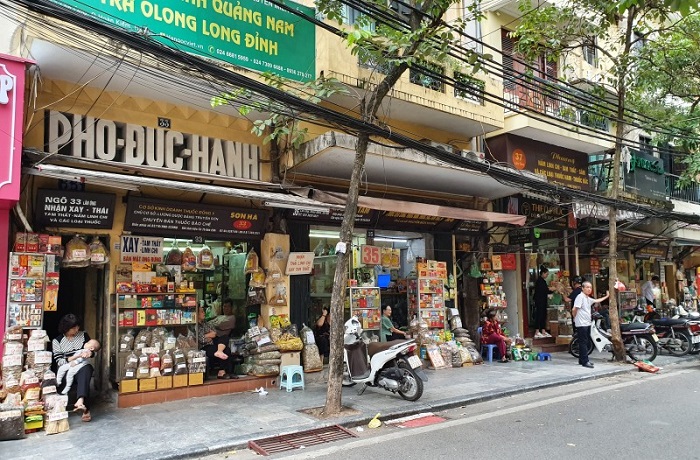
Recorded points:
(128,386)
(140,317)
(163,383)
(179,380)
(151,317)
(196,379)
(147,384)
(291,359)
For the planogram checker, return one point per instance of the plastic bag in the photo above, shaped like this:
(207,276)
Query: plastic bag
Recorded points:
(166,364)
(189,260)
(205,259)
(180,362)
(311,358)
(126,342)
(77,253)
(474,270)
(130,365)
(252,262)
(307,335)
(280,297)
(98,252)
(154,365)
(256,296)
(274,274)
(257,278)
(174,256)
(144,369)
(196,362)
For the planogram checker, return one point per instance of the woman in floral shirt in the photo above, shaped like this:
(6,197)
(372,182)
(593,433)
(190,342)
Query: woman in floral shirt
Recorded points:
(491,333)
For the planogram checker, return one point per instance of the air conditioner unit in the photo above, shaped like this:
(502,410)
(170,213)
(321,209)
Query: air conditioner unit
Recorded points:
(446,147)
(472,155)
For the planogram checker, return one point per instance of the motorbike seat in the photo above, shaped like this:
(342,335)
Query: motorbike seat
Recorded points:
(376,347)
(666,322)
(627,327)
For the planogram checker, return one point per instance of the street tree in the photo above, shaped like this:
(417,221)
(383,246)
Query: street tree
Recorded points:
(615,29)
(392,37)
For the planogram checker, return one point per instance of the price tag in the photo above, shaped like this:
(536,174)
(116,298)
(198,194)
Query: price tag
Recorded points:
(57,416)
(48,390)
(12,361)
(42,357)
(199,360)
(370,255)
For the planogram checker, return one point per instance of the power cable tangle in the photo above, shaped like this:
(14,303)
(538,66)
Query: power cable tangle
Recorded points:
(191,63)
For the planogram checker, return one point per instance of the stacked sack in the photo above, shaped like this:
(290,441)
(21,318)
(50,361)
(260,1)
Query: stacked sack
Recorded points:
(310,355)
(467,348)
(158,353)
(262,357)
(11,408)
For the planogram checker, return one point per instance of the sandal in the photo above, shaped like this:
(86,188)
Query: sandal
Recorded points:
(79,407)
(86,416)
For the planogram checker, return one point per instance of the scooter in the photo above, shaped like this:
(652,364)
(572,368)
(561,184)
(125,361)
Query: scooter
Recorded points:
(640,340)
(389,365)
(675,334)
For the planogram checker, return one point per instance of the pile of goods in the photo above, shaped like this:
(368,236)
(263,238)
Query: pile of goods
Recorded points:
(156,352)
(310,356)
(28,397)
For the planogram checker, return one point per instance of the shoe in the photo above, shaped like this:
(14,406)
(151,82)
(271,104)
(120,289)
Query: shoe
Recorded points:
(86,417)
(538,336)
(588,365)
(547,335)
(224,377)
(503,360)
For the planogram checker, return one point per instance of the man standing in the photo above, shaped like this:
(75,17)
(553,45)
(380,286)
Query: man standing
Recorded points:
(582,319)
(648,290)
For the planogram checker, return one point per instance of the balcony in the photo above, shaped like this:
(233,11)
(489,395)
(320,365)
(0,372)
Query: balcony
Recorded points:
(690,193)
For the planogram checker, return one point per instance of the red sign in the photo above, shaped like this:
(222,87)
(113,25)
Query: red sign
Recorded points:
(508,262)
(11,123)
(370,255)
(595,265)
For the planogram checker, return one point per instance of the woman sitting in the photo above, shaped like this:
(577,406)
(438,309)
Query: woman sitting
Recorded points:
(491,333)
(322,333)
(69,347)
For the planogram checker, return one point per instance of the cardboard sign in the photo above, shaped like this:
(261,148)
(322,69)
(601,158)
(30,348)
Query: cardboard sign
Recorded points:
(300,263)
(141,249)
(435,357)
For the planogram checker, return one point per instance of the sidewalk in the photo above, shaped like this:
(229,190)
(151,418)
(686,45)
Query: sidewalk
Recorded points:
(201,426)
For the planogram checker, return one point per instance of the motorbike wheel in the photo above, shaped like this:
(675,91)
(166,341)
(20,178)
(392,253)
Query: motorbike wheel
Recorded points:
(683,344)
(641,347)
(573,347)
(412,390)
(347,382)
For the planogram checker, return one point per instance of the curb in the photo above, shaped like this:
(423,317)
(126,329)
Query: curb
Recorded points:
(200,450)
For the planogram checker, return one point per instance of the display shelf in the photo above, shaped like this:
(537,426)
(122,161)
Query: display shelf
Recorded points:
(365,303)
(136,310)
(426,294)
(492,292)
(29,274)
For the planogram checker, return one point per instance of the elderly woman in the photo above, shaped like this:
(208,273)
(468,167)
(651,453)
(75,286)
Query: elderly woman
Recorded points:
(68,347)
(491,333)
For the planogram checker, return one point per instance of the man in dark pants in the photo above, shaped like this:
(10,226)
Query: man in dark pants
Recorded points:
(582,319)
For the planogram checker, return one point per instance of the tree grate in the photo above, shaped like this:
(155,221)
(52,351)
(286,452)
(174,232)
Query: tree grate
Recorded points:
(293,441)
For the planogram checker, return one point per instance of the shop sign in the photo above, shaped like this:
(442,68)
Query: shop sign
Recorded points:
(170,218)
(83,136)
(61,208)
(370,255)
(646,176)
(558,164)
(550,216)
(508,262)
(11,116)
(254,34)
(419,222)
(469,227)
(655,251)
(300,263)
(521,236)
(364,216)
(380,219)
(595,265)
(141,249)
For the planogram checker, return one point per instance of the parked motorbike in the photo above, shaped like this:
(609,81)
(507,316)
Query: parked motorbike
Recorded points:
(674,333)
(692,318)
(639,339)
(389,365)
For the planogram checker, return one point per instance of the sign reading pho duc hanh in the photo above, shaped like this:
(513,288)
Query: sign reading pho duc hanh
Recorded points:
(254,34)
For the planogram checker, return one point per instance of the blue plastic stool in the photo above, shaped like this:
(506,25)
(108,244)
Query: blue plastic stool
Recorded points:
(544,357)
(487,348)
(292,377)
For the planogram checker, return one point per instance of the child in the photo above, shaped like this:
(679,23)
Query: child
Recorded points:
(70,369)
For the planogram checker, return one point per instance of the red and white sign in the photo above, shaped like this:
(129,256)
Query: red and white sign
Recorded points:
(11,122)
(300,263)
(370,255)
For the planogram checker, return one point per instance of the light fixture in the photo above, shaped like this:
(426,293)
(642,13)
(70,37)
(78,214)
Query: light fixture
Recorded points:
(82,179)
(324,234)
(390,240)
(297,207)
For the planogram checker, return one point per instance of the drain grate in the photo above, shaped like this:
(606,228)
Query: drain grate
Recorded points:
(283,443)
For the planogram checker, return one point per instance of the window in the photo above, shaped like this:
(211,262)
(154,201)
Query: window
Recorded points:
(472,26)
(369,61)
(469,88)
(590,54)
(429,78)
(645,145)
(352,16)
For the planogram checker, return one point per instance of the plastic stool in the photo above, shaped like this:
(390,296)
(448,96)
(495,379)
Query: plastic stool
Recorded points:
(487,348)
(544,357)
(292,377)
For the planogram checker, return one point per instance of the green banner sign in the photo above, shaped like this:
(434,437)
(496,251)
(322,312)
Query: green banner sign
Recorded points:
(249,33)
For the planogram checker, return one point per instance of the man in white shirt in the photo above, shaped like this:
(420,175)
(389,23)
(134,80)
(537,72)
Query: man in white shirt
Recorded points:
(582,320)
(648,290)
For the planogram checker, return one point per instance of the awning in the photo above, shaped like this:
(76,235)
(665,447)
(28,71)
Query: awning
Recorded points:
(332,155)
(133,182)
(410,207)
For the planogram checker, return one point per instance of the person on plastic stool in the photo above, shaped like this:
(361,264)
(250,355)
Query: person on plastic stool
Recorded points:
(582,319)
(388,331)
(491,333)
(216,348)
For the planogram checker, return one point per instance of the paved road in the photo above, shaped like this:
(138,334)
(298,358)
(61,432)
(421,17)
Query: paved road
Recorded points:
(635,415)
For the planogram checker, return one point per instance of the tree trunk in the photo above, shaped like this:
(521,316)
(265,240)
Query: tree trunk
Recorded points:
(340,281)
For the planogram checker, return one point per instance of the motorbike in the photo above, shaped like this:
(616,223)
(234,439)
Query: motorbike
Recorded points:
(674,334)
(639,339)
(389,365)
(692,318)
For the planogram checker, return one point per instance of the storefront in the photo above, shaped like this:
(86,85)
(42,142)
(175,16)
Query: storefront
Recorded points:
(12,76)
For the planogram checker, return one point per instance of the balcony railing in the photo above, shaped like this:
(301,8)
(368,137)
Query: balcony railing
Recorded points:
(548,100)
(690,193)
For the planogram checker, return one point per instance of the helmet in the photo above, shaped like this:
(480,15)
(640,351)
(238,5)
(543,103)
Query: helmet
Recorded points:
(577,279)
